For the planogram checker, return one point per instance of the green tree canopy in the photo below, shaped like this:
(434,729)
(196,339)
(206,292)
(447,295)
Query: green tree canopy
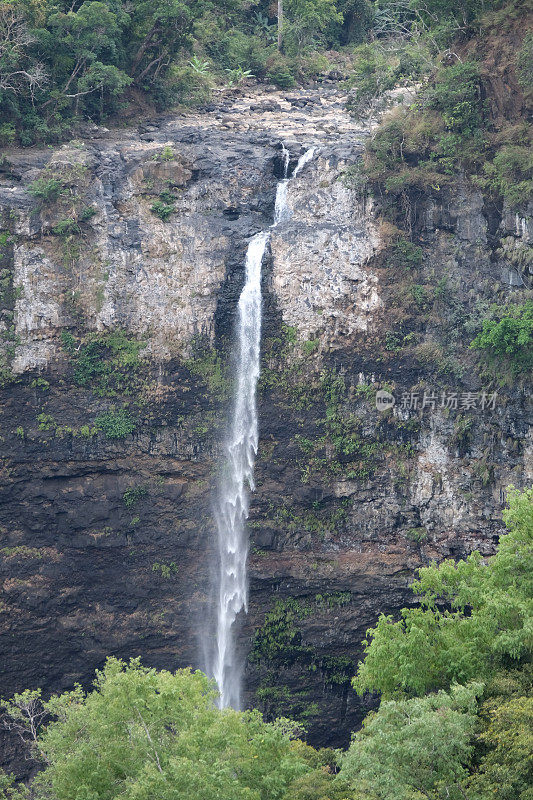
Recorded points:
(415,748)
(488,620)
(142,734)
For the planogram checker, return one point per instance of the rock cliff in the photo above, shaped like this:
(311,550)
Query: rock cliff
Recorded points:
(123,255)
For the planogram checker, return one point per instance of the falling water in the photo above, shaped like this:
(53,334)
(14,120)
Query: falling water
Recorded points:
(240,450)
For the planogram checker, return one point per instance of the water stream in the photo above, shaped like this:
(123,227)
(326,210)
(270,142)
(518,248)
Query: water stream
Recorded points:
(240,449)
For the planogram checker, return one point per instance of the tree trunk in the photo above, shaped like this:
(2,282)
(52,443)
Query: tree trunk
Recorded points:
(280,23)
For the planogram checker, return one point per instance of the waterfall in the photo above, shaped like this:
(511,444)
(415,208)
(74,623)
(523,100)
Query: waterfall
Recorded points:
(240,449)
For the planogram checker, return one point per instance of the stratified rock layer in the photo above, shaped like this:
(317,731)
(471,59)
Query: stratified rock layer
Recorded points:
(105,543)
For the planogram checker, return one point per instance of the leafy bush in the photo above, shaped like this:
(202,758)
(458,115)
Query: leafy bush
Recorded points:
(373,75)
(133,494)
(281,71)
(507,739)
(508,337)
(415,151)
(66,227)
(46,189)
(166,570)
(406,254)
(456,94)
(509,174)
(162,210)
(115,424)
(524,64)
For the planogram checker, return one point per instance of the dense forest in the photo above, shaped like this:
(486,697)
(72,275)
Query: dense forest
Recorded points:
(454,675)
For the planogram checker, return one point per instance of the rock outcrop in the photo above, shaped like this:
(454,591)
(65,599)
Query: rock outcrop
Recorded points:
(106,471)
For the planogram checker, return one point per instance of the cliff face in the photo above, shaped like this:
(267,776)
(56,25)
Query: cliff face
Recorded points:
(109,447)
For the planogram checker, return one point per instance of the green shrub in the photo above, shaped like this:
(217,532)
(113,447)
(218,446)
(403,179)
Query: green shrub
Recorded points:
(46,189)
(508,336)
(406,254)
(524,63)
(133,494)
(66,227)
(115,424)
(187,86)
(87,213)
(165,570)
(8,133)
(162,210)
(235,49)
(456,94)
(416,535)
(167,153)
(280,71)
(166,196)
(373,75)
(509,174)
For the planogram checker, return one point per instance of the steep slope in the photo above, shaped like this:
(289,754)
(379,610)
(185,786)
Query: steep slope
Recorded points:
(109,446)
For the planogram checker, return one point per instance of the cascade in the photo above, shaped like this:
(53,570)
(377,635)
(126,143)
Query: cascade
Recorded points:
(240,449)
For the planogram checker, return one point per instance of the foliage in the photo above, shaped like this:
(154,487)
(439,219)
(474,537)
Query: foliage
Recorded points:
(508,337)
(9,790)
(109,364)
(46,189)
(318,784)
(417,535)
(280,71)
(165,570)
(162,210)
(207,364)
(373,74)
(133,494)
(306,23)
(405,254)
(66,227)
(506,770)
(488,623)
(414,748)
(141,734)
(115,424)
(509,174)
(279,640)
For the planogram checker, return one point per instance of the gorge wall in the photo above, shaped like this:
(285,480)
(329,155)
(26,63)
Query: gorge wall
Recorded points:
(115,331)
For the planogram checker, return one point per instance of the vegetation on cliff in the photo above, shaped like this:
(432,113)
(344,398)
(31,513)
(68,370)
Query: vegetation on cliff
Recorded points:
(61,63)
(454,722)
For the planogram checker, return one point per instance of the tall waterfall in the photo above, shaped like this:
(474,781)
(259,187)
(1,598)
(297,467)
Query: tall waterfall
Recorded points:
(240,449)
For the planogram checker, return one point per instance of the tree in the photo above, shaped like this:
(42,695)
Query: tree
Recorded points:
(415,748)
(19,72)
(85,40)
(9,790)
(306,21)
(489,623)
(506,771)
(156,33)
(142,734)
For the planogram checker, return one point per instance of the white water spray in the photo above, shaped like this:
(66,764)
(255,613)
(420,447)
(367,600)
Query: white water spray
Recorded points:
(240,450)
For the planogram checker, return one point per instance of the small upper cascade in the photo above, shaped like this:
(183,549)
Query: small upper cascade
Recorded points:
(281,208)
(240,449)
